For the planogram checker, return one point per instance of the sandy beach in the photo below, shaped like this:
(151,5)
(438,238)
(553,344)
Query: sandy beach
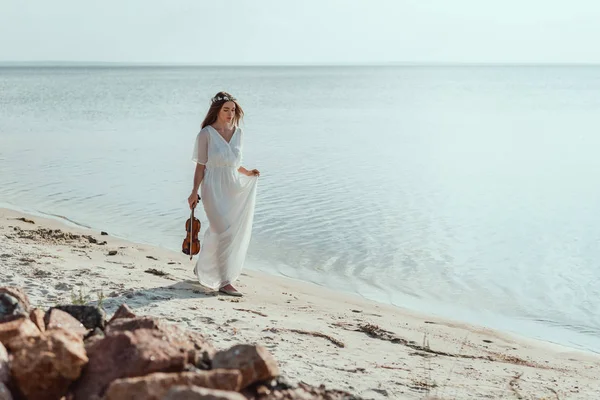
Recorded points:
(320,336)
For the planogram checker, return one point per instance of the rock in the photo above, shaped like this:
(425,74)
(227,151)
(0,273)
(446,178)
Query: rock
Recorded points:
(125,354)
(43,367)
(5,393)
(254,362)
(198,393)
(4,367)
(155,386)
(198,348)
(104,233)
(10,307)
(57,319)
(19,327)
(122,312)
(37,317)
(90,316)
(92,337)
(112,253)
(19,294)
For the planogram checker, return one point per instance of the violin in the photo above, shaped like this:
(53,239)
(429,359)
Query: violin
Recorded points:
(191,244)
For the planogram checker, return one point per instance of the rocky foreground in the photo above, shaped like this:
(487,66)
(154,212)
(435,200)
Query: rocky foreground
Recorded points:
(72,352)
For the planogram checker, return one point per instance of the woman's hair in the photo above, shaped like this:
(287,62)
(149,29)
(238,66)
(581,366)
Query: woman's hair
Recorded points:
(215,106)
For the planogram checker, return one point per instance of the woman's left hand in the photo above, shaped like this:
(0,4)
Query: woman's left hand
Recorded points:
(254,172)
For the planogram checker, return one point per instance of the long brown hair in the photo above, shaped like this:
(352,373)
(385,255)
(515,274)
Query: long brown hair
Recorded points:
(216,105)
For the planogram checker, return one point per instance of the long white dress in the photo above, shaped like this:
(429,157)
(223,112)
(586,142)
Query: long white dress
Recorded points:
(228,198)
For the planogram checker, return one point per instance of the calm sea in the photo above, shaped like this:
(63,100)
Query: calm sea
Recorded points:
(468,192)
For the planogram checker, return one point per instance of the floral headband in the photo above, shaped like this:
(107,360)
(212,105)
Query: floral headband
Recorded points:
(223,98)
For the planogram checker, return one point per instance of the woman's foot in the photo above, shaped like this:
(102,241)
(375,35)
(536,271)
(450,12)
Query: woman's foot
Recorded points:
(230,290)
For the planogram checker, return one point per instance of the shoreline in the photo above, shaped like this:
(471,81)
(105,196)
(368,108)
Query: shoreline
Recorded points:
(469,316)
(320,335)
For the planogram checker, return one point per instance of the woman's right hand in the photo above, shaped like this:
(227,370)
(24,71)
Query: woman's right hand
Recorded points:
(193,200)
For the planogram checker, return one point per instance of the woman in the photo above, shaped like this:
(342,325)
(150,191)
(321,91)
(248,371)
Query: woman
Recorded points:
(228,195)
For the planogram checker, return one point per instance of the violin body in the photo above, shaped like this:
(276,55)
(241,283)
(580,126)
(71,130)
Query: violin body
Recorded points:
(191,243)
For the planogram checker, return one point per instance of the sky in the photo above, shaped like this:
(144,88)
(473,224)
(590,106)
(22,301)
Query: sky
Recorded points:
(263,32)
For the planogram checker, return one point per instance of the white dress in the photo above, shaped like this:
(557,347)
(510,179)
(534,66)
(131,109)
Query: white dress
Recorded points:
(228,198)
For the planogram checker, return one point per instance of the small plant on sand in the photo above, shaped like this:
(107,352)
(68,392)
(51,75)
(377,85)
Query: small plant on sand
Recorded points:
(100,303)
(81,298)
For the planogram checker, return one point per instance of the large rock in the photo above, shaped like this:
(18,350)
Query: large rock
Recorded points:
(199,349)
(19,294)
(254,362)
(10,307)
(43,367)
(5,393)
(155,386)
(37,317)
(127,354)
(57,319)
(20,327)
(198,393)
(4,367)
(91,317)
(122,312)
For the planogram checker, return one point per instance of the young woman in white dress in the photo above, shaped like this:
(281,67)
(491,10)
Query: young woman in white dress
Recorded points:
(228,193)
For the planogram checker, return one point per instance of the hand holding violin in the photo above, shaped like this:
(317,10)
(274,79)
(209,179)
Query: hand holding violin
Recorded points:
(193,200)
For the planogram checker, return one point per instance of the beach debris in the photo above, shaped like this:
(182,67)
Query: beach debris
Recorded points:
(333,340)
(29,221)
(152,258)
(251,311)
(103,233)
(376,332)
(91,239)
(112,253)
(156,272)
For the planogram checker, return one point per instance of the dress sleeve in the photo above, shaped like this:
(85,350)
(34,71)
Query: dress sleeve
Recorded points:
(200,154)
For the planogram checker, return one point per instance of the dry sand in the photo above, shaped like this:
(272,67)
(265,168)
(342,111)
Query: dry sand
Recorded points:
(319,336)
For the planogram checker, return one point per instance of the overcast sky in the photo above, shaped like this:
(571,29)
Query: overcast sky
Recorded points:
(301,31)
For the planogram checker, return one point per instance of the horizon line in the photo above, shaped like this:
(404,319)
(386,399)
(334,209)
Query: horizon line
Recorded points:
(59,63)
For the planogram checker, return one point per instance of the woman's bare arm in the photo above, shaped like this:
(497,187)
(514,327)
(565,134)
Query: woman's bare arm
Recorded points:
(198,177)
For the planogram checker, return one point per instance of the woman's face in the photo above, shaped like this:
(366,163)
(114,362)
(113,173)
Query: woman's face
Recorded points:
(227,112)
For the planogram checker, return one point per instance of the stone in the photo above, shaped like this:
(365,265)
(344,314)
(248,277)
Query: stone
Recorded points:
(57,319)
(44,367)
(18,327)
(155,386)
(19,294)
(122,312)
(10,307)
(90,316)
(4,366)
(254,362)
(199,349)
(124,354)
(5,393)
(37,317)
(198,393)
